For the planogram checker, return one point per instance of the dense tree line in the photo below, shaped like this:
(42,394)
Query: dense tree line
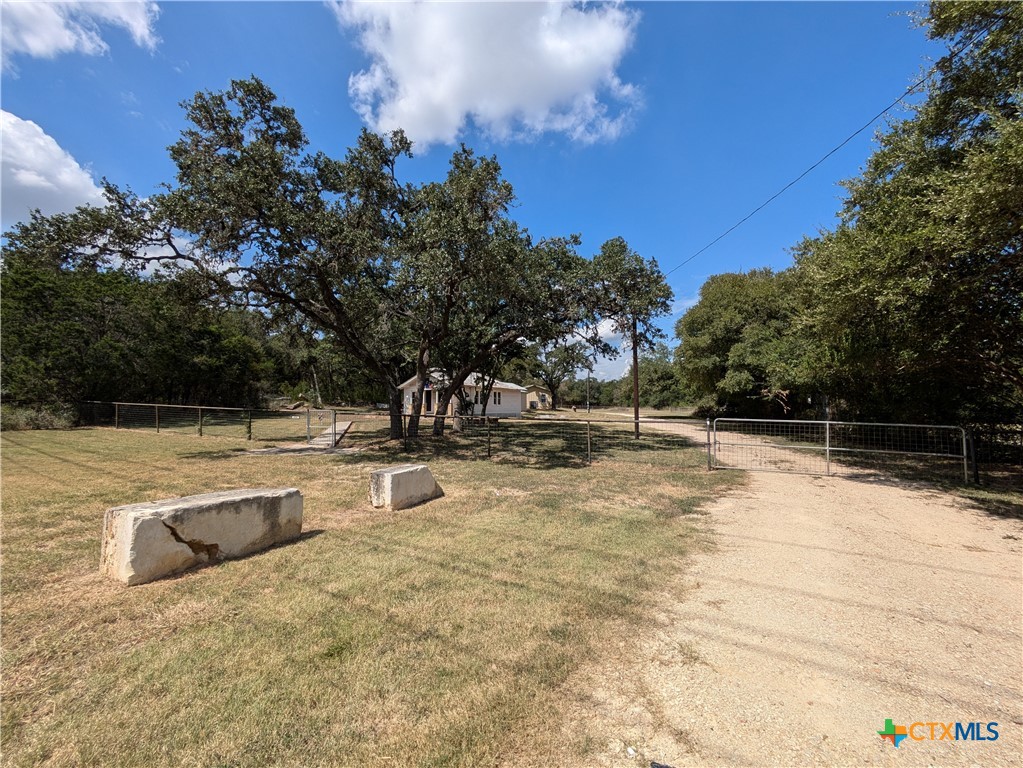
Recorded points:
(72,332)
(382,277)
(912,307)
(660,385)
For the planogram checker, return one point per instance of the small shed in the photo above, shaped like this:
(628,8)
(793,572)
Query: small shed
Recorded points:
(536,398)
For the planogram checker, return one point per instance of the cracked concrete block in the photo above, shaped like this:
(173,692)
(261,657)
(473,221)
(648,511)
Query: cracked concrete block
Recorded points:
(403,486)
(143,542)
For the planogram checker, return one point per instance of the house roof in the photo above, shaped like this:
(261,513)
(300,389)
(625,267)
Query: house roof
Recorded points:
(438,377)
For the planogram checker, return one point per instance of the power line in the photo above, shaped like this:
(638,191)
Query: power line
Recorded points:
(845,141)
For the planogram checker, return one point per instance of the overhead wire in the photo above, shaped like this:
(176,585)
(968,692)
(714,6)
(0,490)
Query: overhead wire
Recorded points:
(908,92)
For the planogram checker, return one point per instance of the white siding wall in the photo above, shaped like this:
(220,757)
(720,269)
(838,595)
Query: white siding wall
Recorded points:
(511,401)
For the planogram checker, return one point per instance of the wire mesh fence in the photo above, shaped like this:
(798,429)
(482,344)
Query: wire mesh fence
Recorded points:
(805,447)
(839,448)
(526,440)
(996,452)
(556,442)
(182,419)
(264,427)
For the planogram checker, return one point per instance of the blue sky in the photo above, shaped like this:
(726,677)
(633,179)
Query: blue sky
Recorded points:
(664,123)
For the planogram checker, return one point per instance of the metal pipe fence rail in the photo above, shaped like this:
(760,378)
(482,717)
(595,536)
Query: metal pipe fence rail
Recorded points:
(838,448)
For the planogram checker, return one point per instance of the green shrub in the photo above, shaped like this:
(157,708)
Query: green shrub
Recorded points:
(17,417)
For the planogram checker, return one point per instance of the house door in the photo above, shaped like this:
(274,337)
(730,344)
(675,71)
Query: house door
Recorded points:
(428,395)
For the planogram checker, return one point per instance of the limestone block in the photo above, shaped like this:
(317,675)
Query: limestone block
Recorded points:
(143,542)
(403,486)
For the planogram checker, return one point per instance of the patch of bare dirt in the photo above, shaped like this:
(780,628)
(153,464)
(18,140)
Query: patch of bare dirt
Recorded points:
(829,606)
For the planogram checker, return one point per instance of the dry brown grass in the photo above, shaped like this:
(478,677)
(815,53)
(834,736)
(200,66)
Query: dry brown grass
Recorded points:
(434,636)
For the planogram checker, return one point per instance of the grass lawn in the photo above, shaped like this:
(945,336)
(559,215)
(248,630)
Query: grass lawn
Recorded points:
(434,636)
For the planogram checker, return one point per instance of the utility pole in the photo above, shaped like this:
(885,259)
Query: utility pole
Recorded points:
(635,375)
(589,373)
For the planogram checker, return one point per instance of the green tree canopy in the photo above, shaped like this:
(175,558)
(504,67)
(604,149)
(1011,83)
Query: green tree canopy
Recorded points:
(555,363)
(914,303)
(631,293)
(401,277)
(911,309)
(738,353)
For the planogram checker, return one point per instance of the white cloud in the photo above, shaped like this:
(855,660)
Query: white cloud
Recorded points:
(48,29)
(608,369)
(606,331)
(683,304)
(516,69)
(35,172)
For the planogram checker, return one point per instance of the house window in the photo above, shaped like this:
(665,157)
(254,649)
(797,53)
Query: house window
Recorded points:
(497,398)
(543,398)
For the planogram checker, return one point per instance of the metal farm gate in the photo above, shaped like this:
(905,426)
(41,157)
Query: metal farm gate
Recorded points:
(837,447)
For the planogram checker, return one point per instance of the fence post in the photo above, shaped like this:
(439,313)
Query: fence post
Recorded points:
(973,459)
(488,437)
(589,451)
(710,459)
(827,447)
(308,425)
(404,430)
(248,424)
(200,421)
(333,428)
(157,419)
(117,416)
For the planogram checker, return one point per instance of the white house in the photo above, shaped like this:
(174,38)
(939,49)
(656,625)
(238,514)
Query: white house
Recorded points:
(505,398)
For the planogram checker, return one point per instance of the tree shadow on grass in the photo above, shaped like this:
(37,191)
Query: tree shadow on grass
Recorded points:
(548,445)
(999,506)
(1002,502)
(216,453)
(554,444)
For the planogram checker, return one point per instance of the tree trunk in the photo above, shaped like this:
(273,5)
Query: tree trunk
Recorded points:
(316,387)
(465,408)
(441,409)
(635,376)
(485,391)
(394,407)
(422,376)
(417,408)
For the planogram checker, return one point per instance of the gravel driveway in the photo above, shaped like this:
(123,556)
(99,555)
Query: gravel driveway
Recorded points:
(828,606)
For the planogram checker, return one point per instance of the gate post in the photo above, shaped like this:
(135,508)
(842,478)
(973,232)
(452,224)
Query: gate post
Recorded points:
(827,447)
(966,471)
(710,462)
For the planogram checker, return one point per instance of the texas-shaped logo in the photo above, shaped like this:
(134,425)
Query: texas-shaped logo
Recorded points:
(893,733)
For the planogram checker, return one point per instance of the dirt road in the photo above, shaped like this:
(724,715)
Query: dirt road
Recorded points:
(828,606)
